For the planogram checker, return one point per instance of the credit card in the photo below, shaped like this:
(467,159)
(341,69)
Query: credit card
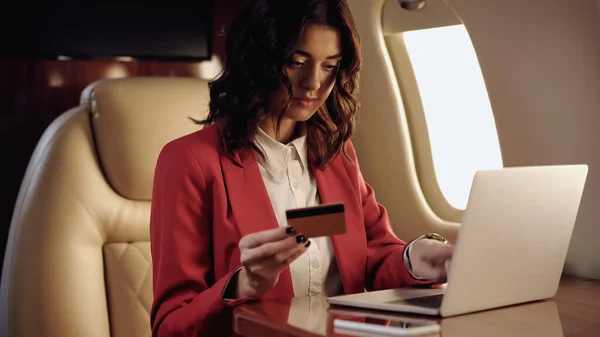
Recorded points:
(316,221)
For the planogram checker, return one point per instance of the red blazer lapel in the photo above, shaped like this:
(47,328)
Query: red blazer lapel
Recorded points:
(334,185)
(251,206)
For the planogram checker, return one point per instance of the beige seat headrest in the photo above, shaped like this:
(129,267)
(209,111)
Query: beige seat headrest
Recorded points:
(130,125)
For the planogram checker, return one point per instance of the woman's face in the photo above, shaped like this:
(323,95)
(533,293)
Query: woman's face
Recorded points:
(312,72)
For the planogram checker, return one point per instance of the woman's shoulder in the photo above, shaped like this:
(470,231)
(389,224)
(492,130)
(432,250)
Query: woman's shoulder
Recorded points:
(350,162)
(202,145)
(205,139)
(349,146)
(351,152)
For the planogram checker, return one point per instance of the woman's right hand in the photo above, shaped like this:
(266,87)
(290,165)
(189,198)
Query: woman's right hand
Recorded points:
(264,255)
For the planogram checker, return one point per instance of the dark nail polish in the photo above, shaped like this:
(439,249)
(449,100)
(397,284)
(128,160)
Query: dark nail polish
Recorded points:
(300,239)
(290,230)
(307,244)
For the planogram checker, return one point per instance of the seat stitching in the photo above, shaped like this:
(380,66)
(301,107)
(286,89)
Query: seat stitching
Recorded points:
(82,200)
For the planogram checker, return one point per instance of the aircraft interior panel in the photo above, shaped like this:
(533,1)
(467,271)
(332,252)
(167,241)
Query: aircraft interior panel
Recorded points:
(543,95)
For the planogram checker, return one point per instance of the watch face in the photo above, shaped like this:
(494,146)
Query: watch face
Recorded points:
(435,236)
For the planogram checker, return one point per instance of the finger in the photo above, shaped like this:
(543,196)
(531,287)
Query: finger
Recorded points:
(293,255)
(278,261)
(438,274)
(269,249)
(258,238)
(447,267)
(438,253)
(432,273)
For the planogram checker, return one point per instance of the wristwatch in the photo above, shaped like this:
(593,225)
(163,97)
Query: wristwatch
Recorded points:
(430,236)
(434,236)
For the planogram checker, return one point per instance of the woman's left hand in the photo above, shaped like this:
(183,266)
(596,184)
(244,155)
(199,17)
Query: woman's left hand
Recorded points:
(430,259)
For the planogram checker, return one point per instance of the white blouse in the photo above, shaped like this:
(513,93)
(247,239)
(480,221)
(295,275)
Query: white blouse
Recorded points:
(290,185)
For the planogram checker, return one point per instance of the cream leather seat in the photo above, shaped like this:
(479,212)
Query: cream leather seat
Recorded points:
(78,259)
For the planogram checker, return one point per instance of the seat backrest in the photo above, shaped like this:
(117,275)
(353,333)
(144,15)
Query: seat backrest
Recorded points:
(77,261)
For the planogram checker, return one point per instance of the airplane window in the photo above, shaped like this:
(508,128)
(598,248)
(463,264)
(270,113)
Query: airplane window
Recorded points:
(458,115)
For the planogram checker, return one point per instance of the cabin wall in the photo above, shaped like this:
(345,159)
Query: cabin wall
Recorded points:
(540,62)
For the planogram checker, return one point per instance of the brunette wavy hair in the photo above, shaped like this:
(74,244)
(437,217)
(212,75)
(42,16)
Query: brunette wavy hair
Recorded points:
(259,43)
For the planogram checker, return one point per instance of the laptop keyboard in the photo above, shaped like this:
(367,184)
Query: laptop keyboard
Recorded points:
(432,302)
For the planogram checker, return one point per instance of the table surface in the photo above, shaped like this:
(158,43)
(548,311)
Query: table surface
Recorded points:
(574,311)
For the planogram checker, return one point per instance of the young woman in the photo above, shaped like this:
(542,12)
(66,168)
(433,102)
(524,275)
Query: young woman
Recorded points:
(277,137)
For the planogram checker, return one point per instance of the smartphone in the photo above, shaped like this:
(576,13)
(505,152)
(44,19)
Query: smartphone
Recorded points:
(366,322)
(316,221)
(395,327)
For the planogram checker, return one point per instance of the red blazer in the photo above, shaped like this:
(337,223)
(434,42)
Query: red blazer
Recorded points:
(203,203)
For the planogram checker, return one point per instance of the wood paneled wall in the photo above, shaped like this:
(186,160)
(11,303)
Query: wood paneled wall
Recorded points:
(34,92)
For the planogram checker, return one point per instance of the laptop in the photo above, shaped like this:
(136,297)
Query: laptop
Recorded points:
(511,245)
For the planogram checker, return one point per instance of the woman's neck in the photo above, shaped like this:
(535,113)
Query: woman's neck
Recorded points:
(287,129)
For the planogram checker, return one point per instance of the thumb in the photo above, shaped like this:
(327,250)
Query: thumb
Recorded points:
(447,267)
